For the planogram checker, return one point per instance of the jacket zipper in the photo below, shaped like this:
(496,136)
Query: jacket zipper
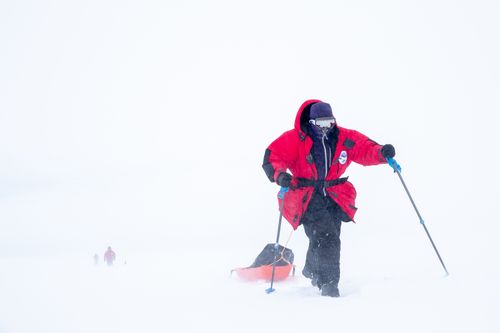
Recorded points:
(326,162)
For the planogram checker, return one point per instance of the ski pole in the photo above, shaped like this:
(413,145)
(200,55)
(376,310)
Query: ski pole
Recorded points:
(281,195)
(397,168)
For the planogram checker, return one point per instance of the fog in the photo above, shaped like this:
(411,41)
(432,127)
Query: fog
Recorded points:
(143,125)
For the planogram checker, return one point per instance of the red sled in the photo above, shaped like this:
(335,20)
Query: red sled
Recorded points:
(262,268)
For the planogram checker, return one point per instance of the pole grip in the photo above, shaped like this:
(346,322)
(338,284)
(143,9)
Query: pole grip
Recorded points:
(283,190)
(394,165)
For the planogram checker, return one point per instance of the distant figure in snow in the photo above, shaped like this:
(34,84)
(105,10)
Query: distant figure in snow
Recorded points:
(309,160)
(109,256)
(96,259)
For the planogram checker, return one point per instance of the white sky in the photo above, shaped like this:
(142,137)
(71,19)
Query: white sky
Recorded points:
(143,124)
(122,119)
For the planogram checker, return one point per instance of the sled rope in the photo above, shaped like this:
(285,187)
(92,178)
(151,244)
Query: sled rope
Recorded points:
(283,251)
(289,237)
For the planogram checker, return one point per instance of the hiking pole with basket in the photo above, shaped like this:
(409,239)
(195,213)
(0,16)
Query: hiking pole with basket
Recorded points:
(281,195)
(397,169)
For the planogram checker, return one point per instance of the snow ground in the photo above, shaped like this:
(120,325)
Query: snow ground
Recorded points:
(172,292)
(142,125)
(391,281)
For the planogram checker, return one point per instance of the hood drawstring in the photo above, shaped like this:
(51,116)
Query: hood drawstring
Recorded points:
(322,151)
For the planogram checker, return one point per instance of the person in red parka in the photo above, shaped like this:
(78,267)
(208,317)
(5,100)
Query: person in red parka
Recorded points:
(109,256)
(310,160)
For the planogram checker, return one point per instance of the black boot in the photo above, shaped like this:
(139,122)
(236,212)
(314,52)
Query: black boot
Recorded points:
(330,289)
(308,274)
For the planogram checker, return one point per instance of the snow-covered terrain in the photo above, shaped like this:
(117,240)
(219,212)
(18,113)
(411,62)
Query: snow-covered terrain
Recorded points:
(142,126)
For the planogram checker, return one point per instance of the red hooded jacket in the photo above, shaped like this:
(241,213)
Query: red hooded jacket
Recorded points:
(292,151)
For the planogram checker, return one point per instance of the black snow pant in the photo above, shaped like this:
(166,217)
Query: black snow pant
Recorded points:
(322,222)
